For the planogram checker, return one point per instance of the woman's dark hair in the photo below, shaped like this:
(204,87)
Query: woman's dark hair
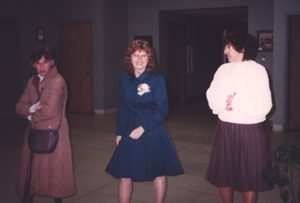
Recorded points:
(139,45)
(45,51)
(242,42)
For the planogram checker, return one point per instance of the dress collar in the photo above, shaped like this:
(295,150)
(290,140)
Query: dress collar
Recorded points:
(41,77)
(142,76)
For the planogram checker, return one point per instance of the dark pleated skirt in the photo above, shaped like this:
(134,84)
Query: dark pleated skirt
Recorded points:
(239,153)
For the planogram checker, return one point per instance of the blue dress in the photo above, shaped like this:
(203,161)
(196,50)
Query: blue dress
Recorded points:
(153,154)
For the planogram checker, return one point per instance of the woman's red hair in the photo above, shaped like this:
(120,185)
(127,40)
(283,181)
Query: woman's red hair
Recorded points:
(139,45)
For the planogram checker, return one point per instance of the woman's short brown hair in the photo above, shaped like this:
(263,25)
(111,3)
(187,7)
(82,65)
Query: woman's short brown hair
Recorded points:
(139,45)
(45,51)
(242,42)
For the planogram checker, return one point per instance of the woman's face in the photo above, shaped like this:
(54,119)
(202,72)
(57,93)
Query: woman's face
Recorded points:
(232,54)
(139,60)
(43,66)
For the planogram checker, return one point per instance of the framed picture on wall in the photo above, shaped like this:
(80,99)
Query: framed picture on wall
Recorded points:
(265,40)
(40,34)
(146,38)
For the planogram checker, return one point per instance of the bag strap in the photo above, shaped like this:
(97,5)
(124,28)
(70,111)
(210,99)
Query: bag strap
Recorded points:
(62,109)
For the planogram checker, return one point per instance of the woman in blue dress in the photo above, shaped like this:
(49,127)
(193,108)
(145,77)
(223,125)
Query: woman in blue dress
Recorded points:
(144,150)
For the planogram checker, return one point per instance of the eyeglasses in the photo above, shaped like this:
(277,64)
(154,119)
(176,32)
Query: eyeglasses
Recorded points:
(228,48)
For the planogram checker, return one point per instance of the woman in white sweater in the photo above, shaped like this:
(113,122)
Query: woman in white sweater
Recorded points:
(240,95)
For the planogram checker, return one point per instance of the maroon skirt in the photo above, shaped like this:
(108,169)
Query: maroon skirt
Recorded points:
(239,153)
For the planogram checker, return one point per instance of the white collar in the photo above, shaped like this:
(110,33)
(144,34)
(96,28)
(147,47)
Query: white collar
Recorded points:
(41,77)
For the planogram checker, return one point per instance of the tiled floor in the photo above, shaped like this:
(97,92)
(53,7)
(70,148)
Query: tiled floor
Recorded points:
(191,127)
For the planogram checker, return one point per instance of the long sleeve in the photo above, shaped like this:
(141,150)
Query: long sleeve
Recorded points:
(218,92)
(157,116)
(257,102)
(51,99)
(249,81)
(24,104)
(123,111)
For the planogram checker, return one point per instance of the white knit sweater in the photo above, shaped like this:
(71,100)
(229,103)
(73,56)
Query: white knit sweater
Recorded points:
(252,102)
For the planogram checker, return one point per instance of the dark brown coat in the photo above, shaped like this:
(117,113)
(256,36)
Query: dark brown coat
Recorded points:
(51,174)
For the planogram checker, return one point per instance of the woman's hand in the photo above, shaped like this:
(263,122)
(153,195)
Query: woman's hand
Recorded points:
(118,139)
(35,107)
(229,102)
(137,133)
(38,107)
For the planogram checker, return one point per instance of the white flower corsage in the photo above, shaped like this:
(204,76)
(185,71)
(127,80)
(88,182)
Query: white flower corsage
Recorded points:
(143,88)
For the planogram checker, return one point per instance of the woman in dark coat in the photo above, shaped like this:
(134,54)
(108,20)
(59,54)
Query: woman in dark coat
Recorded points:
(144,150)
(45,174)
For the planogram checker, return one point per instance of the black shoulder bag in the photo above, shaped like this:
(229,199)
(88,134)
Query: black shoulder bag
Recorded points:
(43,141)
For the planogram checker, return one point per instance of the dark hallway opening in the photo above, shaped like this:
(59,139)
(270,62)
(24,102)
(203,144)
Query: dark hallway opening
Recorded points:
(190,70)
(10,73)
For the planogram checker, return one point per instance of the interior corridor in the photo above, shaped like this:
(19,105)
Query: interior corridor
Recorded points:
(191,127)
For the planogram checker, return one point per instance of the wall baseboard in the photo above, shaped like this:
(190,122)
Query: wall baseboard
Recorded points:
(105,111)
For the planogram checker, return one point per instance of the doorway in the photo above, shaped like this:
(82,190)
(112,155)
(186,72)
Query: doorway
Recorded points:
(76,65)
(10,72)
(177,59)
(294,73)
(202,31)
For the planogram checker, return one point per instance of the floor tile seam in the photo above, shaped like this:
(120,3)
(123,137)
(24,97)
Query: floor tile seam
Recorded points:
(76,157)
(84,133)
(91,120)
(94,139)
(100,142)
(93,160)
(97,150)
(89,173)
(198,151)
(191,161)
(93,132)
(205,194)
(89,193)
(94,190)
(196,197)
(94,128)
(101,187)
(140,201)
(79,156)
(199,193)
(187,190)
(194,149)
(184,146)
(74,146)
(98,160)
(108,139)
(209,188)
(108,147)
(183,174)
(197,134)
(192,135)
